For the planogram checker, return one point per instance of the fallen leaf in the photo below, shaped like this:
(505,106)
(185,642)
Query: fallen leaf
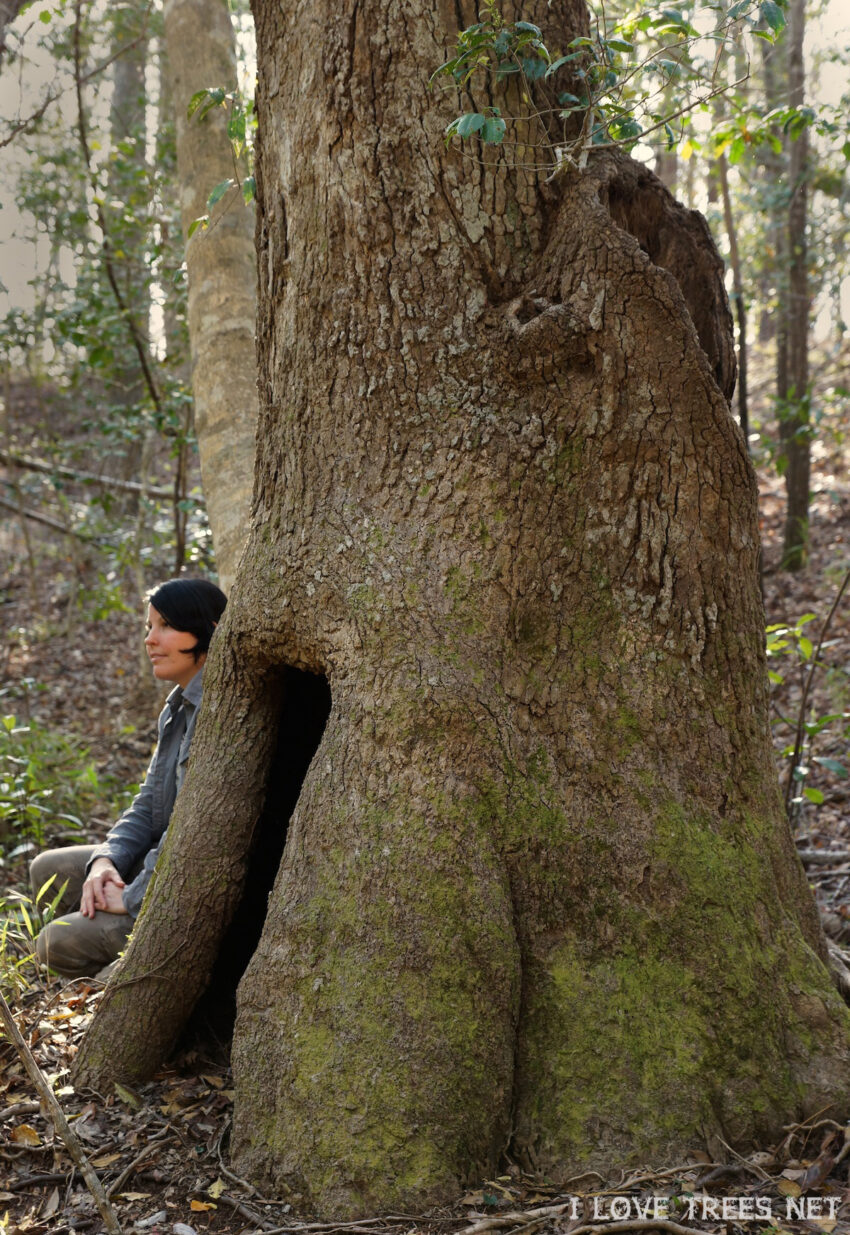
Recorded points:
(215,1189)
(105,1159)
(183,1228)
(201,1207)
(472,1198)
(51,1204)
(789,1187)
(215,1081)
(134,1196)
(128,1097)
(25,1134)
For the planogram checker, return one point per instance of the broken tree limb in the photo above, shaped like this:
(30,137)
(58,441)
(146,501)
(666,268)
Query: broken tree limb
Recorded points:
(57,1118)
(823,857)
(46,468)
(35,516)
(532,1216)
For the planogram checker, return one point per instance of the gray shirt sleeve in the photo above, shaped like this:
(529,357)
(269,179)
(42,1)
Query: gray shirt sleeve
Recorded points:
(134,843)
(134,893)
(134,833)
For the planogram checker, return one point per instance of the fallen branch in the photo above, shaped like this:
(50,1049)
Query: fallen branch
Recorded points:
(19,1108)
(246,1212)
(57,1117)
(84,478)
(39,1181)
(153,1144)
(36,517)
(823,857)
(531,1217)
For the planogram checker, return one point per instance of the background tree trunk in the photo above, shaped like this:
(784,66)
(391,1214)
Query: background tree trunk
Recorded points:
(796,421)
(130,184)
(9,10)
(199,45)
(538,892)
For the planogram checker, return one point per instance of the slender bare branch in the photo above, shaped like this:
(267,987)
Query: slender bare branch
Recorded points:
(57,1118)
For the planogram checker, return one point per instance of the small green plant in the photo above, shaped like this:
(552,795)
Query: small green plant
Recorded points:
(21,919)
(241,125)
(46,779)
(619,77)
(791,642)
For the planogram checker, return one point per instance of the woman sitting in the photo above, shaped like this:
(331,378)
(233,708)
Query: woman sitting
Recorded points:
(108,881)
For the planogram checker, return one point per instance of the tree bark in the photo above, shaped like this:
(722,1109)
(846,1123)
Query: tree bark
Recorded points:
(795,422)
(200,53)
(129,183)
(538,894)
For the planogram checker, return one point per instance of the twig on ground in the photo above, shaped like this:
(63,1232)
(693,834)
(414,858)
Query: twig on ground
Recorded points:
(521,1220)
(38,1181)
(154,1143)
(295,1229)
(749,1166)
(648,1176)
(228,1174)
(823,857)
(245,1210)
(19,1108)
(57,1117)
(811,1127)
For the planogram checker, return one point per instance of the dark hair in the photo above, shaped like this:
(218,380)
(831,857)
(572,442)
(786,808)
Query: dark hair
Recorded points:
(193,605)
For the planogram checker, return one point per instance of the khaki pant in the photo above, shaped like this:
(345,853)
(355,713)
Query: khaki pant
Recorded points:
(72,945)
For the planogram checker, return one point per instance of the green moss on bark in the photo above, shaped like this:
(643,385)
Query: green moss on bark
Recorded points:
(697,1018)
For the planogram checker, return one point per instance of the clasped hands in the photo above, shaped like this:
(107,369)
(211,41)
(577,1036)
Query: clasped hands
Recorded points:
(102,890)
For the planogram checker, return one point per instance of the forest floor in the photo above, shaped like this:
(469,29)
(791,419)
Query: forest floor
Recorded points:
(162,1151)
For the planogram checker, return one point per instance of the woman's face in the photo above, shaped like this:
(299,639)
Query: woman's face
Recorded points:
(170,651)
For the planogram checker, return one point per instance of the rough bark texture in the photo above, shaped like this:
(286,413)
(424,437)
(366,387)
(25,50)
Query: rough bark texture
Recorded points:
(538,893)
(200,51)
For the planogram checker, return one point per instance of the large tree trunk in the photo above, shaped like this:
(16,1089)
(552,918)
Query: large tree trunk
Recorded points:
(538,893)
(200,54)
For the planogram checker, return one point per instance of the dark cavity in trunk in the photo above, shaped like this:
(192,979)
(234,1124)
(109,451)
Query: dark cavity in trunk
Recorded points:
(305,707)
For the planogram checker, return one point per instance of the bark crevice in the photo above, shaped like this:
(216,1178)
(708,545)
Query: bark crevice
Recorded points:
(305,707)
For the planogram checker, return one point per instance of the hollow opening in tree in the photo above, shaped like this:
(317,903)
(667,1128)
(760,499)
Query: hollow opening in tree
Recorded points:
(305,707)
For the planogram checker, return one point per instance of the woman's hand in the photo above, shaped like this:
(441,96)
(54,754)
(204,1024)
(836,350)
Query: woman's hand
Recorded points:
(102,890)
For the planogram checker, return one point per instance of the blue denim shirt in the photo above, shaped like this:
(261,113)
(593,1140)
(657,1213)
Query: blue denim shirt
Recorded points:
(139,834)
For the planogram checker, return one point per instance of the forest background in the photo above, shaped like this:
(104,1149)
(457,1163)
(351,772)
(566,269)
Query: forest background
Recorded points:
(741,110)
